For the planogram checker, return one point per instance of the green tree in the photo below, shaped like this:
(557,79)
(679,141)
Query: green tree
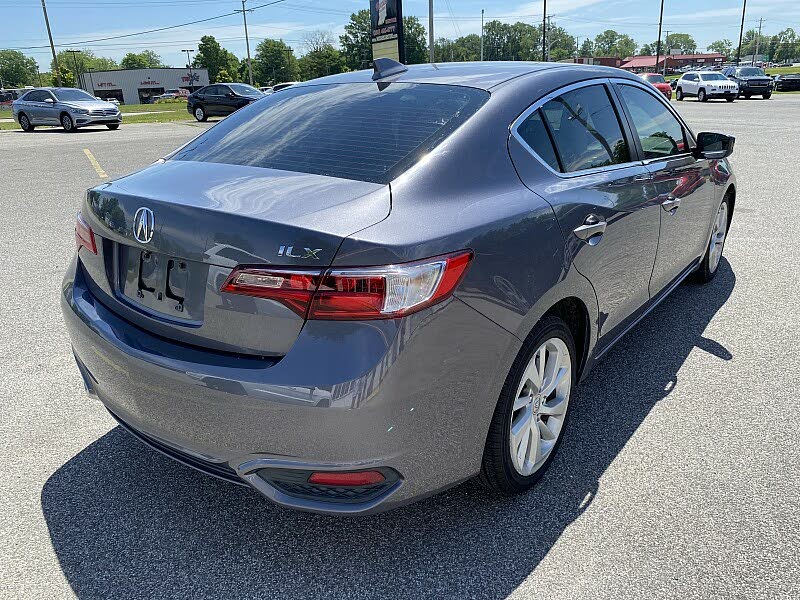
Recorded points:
(142,60)
(67,76)
(210,55)
(223,76)
(355,41)
(323,61)
(16,69)
(787,46)
(681,41)
(274,61)
(647,50)
(587,48)
(724,47)
(415,38)
(611,43)
(83,61)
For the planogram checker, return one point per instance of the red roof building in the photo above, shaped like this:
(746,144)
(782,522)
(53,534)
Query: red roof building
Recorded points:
(640,64)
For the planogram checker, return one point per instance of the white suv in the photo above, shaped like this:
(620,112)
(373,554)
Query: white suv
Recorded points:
(705,85)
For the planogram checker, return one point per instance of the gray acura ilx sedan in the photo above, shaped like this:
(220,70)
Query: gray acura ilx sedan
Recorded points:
(372,286)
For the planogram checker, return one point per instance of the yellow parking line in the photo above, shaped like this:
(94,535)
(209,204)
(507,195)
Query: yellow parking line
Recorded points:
(95,164)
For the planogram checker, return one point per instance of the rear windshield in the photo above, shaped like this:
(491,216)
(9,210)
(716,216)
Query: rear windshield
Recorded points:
(243,89)
(361,131)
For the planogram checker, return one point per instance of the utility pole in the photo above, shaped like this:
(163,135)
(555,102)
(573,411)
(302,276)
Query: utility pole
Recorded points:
(481,35)
(75,60)
(189,66)
(430,30)
(577,47)
(741,31)
(544,31)
(549,26)
(658,43)
(52,46)
(667,53)
(247,42)
(758,41)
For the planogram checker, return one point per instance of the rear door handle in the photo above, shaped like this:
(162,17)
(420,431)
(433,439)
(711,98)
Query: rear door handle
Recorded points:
(592,230)
(671,205)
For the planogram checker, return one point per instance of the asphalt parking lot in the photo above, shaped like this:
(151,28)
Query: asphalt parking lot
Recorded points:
(679,476)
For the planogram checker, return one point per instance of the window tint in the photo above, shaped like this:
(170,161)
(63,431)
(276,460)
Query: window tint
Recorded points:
(365,131)
(534,132)
(585,129)
(660,133)
(37,96)
(211,90)
(73,95)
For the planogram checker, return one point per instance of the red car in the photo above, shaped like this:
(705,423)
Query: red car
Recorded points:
(659,82)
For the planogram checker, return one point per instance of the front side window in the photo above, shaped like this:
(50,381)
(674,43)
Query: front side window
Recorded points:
(364,131)
(585,129)
(36,96)
(659,132)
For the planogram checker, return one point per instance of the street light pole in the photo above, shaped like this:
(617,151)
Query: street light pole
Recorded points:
(741,31)
(430,31)
(481,35)
(658,43)
(52,46)
(247,41)
(189,66)
(75,60)
(669,49)
(544,31)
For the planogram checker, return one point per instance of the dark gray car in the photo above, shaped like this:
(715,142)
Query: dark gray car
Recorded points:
(372,286)
(69,107)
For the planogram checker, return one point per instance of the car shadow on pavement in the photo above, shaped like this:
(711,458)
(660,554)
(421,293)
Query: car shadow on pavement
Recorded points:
(127,522)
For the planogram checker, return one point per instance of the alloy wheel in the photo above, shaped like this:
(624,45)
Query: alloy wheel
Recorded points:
(24,123)
(199,114)
(66,123)
(718,237)
(540,407)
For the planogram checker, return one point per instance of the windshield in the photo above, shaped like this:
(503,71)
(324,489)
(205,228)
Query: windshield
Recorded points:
(713,77)
(750,72)
(654,78)
(73,95)
(357,131)
(244,90)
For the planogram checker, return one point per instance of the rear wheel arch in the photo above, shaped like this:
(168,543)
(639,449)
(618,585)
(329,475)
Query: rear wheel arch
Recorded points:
(730,196)
(574,312)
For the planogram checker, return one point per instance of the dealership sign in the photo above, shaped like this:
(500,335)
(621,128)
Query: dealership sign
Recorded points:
(386,18)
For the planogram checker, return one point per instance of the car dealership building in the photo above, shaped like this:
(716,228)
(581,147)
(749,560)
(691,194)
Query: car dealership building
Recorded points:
(139,86)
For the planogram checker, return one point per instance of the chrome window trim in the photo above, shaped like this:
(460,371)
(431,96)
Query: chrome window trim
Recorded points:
(660,97)
(604,81)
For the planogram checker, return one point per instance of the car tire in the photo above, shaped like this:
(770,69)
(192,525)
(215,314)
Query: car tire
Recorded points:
(200,113)
(678,94)
(767,96)
(113,125)
(730,99)
(701,95)
(520,407)
(25,122)
(716,244)
(67,123)
(747,96)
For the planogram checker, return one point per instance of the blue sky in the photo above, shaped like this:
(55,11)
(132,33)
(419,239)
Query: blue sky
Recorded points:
(22,24)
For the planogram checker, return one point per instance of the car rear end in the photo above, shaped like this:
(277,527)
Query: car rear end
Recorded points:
(207,312)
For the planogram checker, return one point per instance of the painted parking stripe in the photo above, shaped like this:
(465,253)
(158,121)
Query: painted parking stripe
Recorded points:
(95,164)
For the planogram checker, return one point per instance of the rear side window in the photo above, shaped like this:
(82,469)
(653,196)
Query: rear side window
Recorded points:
(660,133)
(533,131)
(586,130)
(365,131)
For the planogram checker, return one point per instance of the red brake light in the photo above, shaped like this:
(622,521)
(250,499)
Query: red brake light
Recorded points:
(291,288)
(84,236)
(357,478)
(355,293)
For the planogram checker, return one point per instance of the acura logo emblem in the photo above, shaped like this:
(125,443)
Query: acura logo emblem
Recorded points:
(143,225)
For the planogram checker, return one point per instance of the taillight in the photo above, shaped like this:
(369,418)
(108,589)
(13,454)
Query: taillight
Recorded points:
(84,236)
(291,288)
(355,293)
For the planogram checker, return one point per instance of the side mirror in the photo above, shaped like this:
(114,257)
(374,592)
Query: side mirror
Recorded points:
(49,100)
(714,146)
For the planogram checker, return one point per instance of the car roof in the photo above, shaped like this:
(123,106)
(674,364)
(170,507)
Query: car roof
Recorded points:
(483,75)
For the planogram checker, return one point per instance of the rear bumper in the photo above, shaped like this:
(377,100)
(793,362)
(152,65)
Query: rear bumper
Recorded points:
(414,395)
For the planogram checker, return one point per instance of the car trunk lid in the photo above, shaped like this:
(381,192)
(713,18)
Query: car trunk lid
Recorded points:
(170,235)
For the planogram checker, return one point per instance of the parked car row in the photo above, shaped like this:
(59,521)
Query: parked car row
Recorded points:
(222,99)
(731,83)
